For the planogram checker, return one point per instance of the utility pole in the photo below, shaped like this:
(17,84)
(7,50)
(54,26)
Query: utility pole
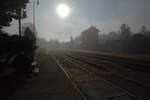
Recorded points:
(34,3)
(19,20)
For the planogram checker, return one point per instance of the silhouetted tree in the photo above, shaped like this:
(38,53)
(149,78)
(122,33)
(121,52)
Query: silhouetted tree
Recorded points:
(125,32)
(30,39)
(11,9)
(138,37)
(113,36)
(143,29)
(77,40)
(4,39)
(26,51)
(103,38)
(71,40)
(31,26)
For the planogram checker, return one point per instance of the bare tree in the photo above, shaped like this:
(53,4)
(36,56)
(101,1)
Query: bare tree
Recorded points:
(143,29)
(125,32)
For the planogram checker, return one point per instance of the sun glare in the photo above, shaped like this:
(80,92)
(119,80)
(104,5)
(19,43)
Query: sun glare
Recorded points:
(63,10)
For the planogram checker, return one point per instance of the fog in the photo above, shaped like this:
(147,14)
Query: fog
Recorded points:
(107,16)
(124,41)
(74,49)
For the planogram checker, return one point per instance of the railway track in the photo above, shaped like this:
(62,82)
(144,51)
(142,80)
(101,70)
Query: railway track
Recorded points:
(133,64)
(79,64)
(97,63)
(137,83)
(124,59)
(74,84)
(95,74)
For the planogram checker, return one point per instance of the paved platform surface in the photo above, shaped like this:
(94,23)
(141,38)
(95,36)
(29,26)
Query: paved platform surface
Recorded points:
(51,84)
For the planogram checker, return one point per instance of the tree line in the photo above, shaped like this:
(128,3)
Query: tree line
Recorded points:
(22,46)
(122,41)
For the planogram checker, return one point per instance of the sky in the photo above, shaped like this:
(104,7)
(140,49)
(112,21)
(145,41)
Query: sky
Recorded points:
(106,15)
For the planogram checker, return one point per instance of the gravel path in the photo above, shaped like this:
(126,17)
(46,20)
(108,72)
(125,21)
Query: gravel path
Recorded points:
(51,84)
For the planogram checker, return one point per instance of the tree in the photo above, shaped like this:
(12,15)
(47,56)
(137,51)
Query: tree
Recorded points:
(112,36)
(71,40)
(30,39)
(125,32)
(11,9)
(77,40)
(143,29)
(28,34)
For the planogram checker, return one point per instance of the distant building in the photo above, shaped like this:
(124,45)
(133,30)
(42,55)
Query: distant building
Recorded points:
(90,36)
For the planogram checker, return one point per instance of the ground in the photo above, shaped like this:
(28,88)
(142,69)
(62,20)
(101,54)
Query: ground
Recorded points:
(51,84)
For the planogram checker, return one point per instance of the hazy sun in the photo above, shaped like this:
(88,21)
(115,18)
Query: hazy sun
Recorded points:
(63,10)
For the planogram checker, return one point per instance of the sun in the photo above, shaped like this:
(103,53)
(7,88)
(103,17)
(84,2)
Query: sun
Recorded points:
(63,10)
